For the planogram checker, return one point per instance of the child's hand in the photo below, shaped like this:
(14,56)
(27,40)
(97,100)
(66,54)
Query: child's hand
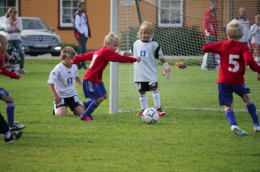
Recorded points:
(57,99)
(17,76)
(138,59)
(167,70)
(258,76)
(120,52)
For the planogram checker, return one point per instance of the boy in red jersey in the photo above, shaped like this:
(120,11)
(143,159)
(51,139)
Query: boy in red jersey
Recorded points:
(233,55)
(4,95)
(93,86)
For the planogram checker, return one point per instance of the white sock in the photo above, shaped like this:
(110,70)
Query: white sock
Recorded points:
(55,109)
(156,98)
(7,135)
(143,101)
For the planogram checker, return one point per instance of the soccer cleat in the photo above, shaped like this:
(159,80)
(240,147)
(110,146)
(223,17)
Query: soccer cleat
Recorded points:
(53,107)
(14,136)
(160,112)
(82,104)
(140,114)
(23,71)
(238,131)
(257,127)
(86,118)
(16,127)
(16,122)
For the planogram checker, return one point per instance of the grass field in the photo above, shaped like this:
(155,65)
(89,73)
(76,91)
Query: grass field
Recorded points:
(183,140)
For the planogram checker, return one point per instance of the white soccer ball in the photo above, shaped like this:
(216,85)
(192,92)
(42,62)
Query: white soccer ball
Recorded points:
(150,116)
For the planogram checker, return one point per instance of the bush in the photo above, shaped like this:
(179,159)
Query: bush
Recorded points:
(71,45)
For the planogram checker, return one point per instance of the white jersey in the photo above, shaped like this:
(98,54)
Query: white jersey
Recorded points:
(146,69)
(246,32)
(254,34)
(64,80)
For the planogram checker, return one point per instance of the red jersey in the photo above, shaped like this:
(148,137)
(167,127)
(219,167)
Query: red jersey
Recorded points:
(210,23)
(233,55)
(3,70)
(99,60)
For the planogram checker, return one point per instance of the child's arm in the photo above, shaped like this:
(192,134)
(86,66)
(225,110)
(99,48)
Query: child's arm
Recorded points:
(77,79)
(54,93)
(112,56)
(83,57)
(212,48)
(167,69)
(253,31)
(123,53)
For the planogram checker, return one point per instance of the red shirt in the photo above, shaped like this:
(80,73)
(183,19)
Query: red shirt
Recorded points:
(3,70)
(99,60)
(210,24)
(233,55)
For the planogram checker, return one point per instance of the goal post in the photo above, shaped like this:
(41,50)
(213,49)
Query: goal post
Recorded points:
(179,31)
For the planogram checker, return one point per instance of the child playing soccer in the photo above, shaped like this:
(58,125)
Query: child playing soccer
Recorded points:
(93,85)
(64,76)
(255,40)
(4,95)
(145,72)
(233,55)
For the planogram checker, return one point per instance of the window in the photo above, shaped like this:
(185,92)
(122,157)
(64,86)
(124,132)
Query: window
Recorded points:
(170,13)
(67,9)
(5,4)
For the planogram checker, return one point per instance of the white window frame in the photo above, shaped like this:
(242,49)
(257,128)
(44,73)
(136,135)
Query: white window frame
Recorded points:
(61,17)
(16,6)
(170,24)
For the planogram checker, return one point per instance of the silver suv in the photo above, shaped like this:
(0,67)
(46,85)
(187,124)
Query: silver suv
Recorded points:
(37,37)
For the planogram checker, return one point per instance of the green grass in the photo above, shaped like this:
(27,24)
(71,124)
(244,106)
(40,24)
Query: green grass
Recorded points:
(183,140)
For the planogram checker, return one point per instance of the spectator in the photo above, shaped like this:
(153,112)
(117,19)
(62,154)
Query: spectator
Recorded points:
(255,38)
(246,23)
(13,28)
(81,30)
(211,31)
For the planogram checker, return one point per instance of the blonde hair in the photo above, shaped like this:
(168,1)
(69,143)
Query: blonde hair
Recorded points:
(257,16)
(81,3)
(3,40)
(145,24)
(9,12)
(68,52)
(111,37)
(235,29)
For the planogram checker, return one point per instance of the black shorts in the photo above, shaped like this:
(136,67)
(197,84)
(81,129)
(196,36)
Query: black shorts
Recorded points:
(72,102)
(147,86)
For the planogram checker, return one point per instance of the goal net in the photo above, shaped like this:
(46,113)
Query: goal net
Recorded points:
(179,30)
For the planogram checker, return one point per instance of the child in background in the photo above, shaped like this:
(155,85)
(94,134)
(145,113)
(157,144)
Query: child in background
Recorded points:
(233,55)
(145,72)
(255,40)
(4,95)
(64,76)
(93,85)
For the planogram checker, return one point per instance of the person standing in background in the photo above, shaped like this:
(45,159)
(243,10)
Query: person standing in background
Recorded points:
(81,30)
(246,23)
(211,32)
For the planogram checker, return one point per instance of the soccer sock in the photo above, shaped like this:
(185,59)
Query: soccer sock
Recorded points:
(231,117)
(252,111)
(7,135)
(93,105)
(10,113)
(87,103)
(156,98)
(143,101)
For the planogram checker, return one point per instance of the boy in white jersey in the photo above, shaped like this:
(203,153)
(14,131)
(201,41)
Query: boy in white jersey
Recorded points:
(255,38)
(64,76)
(145,72)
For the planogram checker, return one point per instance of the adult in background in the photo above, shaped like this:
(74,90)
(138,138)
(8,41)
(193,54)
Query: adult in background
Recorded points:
(211,32)
(13,27)
(81,30)
(246,23)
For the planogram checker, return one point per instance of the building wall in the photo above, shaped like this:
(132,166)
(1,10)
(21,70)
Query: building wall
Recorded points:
(98,13)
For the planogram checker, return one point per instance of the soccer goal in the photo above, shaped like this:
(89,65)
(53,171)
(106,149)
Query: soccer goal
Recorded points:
(178,28)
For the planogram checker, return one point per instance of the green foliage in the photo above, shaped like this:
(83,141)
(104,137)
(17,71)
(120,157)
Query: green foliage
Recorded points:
(76,47)
(184,41)
(183,140)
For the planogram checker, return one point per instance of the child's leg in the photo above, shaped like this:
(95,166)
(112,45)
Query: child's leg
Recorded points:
(230,114)
(92,106)
(251,108)
(143,100)
(156,98)
(62,111)
(9,109)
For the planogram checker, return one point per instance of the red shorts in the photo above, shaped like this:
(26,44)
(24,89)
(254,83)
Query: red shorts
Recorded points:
(256,46)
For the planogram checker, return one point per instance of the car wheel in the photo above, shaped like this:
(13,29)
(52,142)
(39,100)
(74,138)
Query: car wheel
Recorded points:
(55,54)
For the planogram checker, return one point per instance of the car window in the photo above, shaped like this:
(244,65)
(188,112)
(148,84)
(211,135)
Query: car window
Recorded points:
(34,24)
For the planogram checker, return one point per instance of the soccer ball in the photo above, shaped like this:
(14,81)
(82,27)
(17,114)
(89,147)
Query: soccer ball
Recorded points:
(150,116)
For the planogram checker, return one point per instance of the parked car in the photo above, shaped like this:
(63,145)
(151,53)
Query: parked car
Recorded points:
(37,37)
